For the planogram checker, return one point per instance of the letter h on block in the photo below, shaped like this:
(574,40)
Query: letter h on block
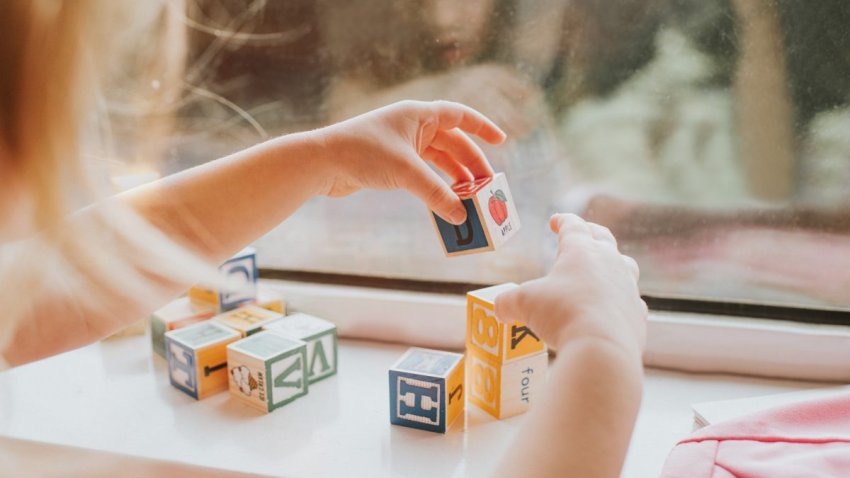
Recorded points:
(507,361)
(426,389)
(491,217)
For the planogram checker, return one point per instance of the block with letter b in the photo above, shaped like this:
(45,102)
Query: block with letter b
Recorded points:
(240,275)
(267,370)
(427,389)
(197,358)
(247,319)
(491,217)
(506,361)
(321,338)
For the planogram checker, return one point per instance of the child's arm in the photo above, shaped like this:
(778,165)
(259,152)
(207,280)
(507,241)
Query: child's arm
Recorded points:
(219,207)
(588,308)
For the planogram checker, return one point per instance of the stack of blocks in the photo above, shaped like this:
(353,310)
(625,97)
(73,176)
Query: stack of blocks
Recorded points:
(491,217)
(506,362)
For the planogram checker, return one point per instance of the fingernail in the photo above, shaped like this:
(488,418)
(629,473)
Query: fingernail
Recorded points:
(458,216)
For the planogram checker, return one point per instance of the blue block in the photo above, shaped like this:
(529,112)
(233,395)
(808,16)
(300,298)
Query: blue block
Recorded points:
(466,237)
(182,370)
(416,401)
(242,267)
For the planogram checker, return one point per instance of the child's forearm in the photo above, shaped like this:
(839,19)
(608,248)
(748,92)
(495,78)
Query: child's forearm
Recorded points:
(583,423)
(219,207)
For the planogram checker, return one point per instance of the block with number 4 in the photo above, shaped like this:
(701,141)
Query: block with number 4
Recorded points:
(426,389)
(240,276)
(267,370)
(506,361)
(491,217)
(321,339)
(247,319)
(197,358)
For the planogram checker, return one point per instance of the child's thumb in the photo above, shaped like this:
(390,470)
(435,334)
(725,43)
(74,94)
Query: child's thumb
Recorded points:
(425,184)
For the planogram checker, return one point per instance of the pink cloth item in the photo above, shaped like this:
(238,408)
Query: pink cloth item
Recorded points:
(809,439)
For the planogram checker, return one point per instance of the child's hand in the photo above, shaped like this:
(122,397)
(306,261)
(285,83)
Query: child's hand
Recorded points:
(387,149)
(590,293)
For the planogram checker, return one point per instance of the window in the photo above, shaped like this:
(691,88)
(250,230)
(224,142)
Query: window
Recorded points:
(712,136)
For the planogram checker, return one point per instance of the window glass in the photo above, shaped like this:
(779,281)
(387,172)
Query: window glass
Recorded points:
(712,136)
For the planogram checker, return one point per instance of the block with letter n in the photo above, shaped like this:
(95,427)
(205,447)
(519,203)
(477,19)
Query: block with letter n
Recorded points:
(321,338)
(267,370)
(491,217)
(197,358)
(507,361)
(427,389)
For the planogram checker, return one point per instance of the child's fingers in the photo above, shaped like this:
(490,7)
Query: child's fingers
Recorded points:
(452,115)
(509,306)
(446,163)
(425,184)
(602,233)
(463,150)
(632,265)
(569,223)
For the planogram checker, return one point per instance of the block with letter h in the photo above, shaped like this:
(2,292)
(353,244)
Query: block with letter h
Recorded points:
(197,358)
(491,217)
(240,275)
(247,319)
(267,370)
(321,338)
(427,389)
(506,361)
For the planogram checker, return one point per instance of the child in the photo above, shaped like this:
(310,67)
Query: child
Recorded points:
(71,279)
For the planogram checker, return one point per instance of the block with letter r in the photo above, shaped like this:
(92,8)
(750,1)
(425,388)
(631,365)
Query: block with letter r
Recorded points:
(427,389)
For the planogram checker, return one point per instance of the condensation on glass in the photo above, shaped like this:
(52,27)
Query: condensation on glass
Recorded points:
(712,136)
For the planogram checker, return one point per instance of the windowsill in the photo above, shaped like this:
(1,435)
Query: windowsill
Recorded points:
(676,340)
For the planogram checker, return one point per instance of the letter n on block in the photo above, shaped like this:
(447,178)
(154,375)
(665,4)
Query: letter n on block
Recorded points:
(427,389)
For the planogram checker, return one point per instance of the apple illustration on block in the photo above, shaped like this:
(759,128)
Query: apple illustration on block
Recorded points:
(498,206)
(491,217)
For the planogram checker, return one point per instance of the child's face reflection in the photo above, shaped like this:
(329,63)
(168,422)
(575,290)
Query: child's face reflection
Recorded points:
(457,27)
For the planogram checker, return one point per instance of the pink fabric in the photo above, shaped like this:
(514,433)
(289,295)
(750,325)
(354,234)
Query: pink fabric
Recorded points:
(807,440)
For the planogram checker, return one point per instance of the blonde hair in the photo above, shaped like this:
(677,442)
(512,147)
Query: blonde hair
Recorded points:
(57,59)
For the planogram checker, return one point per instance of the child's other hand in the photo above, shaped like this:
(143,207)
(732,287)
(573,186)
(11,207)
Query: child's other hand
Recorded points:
(590,293)
(387,149)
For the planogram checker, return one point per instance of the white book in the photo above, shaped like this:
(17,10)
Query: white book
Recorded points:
(707,413)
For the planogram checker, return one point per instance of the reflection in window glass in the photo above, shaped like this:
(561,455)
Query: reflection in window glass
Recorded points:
(712,136)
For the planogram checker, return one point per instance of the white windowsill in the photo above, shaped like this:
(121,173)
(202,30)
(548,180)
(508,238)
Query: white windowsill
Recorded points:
(676,340)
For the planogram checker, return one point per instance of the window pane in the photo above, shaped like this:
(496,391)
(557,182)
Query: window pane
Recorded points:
(712,136)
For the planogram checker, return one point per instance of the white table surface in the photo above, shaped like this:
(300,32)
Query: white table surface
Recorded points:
(115,397)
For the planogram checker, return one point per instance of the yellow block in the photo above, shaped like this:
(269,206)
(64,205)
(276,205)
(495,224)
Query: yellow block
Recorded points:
(247,319)
(489,337)
(505,389)
(212,368)
(204,297)
(455,393)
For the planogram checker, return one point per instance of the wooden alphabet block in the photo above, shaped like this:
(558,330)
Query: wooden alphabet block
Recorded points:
(506,389)
(270,300)
(177,314)
(321,338)
(247,319)
(197,358)
(240,273)
(491,217)
(426,389)
(491,338)
(267,370)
